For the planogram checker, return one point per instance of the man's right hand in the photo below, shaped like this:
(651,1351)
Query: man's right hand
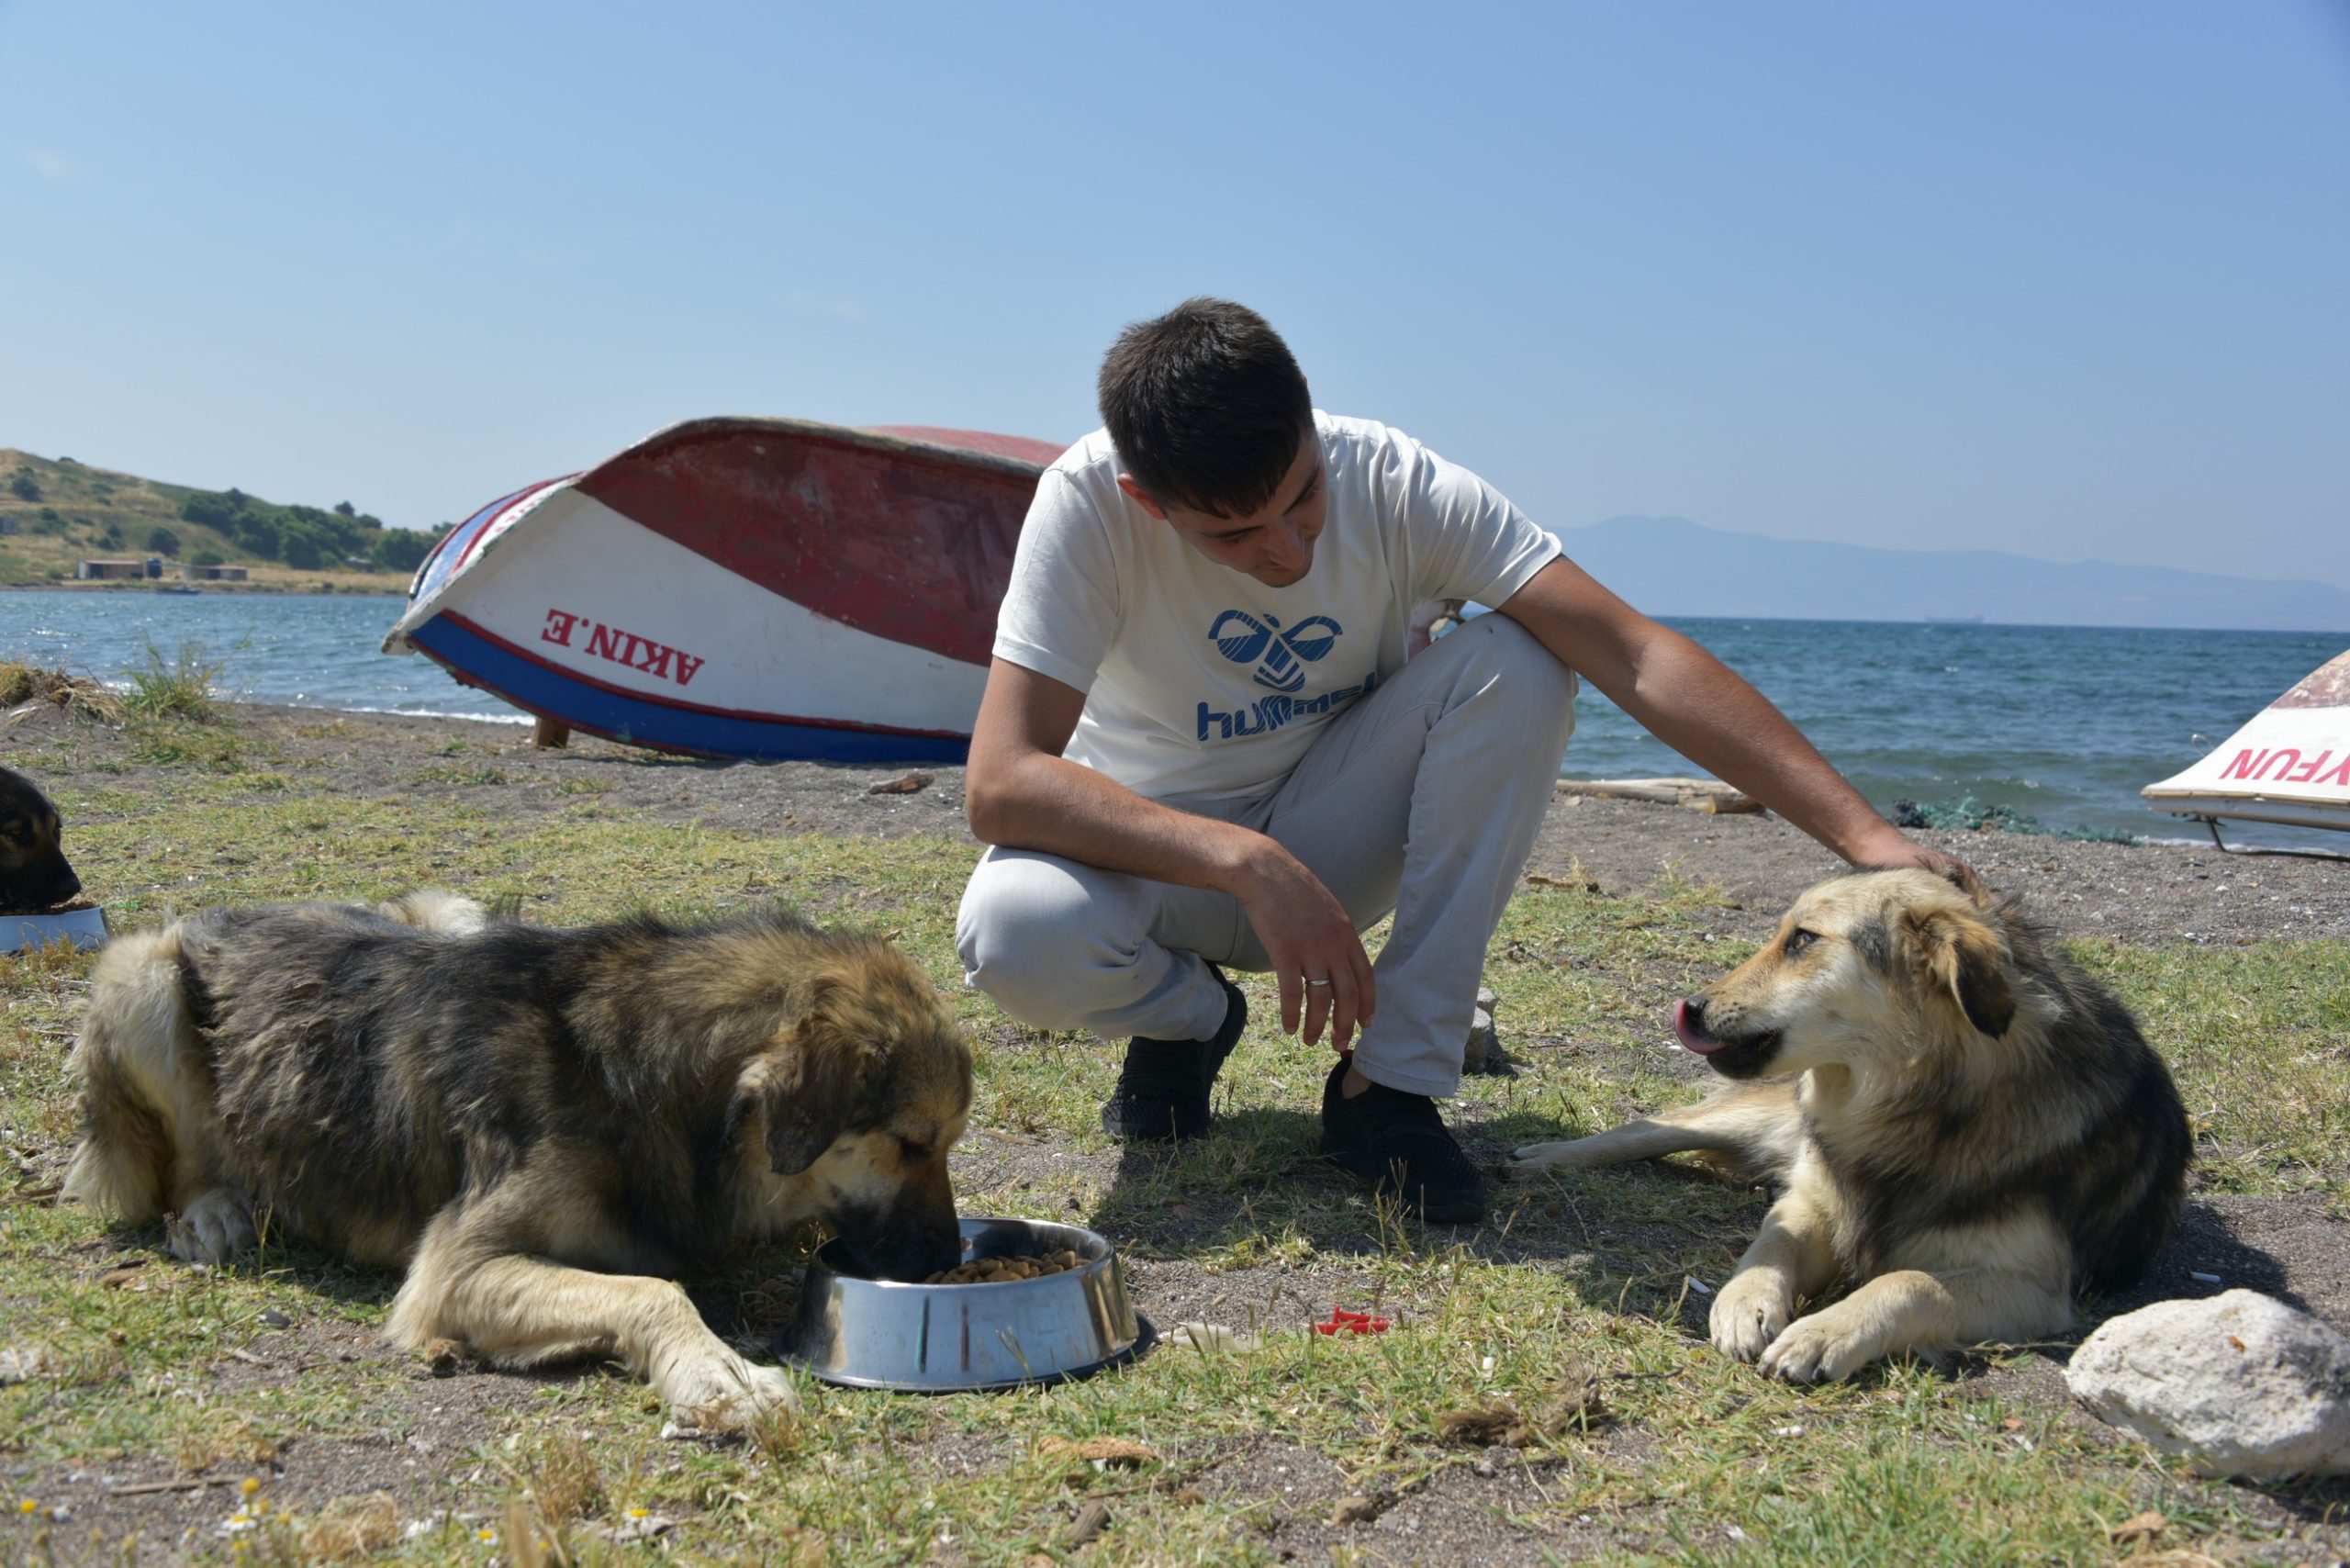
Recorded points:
(1019,791)
(1308,938)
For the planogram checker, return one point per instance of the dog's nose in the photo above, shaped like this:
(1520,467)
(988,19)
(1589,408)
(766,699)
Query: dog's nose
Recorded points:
(1692,1008)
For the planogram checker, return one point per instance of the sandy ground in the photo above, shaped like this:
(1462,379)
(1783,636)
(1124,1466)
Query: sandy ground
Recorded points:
(2149,894)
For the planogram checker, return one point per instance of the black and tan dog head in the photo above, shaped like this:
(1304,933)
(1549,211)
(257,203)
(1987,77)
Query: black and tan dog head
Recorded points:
(34,875)
(855,1104)
(1865,969)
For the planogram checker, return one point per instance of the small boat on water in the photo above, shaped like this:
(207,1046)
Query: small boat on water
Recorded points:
(743,587)
(2290,764)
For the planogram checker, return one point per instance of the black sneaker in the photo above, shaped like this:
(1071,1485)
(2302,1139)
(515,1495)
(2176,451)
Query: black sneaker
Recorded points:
(1398,1143)
(1163,1089)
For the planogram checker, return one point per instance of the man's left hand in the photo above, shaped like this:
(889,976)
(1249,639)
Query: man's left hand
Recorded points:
(1894,849)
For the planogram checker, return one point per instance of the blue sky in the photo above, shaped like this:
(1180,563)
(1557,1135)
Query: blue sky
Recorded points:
(2067,280)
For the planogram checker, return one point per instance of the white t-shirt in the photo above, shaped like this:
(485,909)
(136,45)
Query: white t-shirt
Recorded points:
(1202,682)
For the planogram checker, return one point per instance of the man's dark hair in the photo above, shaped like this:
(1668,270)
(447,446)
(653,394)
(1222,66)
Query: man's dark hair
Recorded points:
(1206,406)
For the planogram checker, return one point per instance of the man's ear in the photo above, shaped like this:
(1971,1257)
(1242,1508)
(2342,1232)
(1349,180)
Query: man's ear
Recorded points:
(1141,497)
(1966,956)
(805,1094)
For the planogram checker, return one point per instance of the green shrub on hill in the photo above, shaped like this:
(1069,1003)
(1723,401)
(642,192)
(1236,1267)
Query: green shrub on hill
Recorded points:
(402,549)
(306,538)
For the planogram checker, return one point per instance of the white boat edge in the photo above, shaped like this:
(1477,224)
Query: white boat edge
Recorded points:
(2289,765)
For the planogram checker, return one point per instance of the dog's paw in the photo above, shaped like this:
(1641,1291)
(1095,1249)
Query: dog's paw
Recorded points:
(1748,1317)
(1534,1159)
(216,1226)
(1819,1349)
(727,1395)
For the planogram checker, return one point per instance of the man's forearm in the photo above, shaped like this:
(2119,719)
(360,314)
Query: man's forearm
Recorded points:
(1704,709)
(1058,807)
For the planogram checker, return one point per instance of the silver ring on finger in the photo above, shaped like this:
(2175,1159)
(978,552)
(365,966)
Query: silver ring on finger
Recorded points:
(1317,983)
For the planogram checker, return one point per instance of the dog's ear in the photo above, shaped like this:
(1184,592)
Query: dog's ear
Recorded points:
(805,1087)
(1960,875)
(1968,958)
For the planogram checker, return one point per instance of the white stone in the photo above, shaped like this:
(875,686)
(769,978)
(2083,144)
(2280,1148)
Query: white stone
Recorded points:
(2239,1382)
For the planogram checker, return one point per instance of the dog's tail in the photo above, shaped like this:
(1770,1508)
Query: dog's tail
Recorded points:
(148,1126)
(435,909)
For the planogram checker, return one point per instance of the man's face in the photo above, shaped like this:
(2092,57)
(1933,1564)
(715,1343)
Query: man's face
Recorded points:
(1273,545)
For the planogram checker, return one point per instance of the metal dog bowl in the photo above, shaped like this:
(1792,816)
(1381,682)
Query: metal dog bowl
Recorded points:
(940,1338)
(82,927)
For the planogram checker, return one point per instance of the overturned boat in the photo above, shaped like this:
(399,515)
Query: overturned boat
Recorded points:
(741,587)
(2290,764)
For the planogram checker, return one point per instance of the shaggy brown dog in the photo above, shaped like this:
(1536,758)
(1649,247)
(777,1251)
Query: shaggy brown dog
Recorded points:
(541,1127)
(33,872)
(1977,1129)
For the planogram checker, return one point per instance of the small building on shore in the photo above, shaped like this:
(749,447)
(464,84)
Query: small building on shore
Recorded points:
(214,573)
(105,571)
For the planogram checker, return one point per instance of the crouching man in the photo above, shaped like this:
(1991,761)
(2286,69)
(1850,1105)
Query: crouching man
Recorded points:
(1201,748)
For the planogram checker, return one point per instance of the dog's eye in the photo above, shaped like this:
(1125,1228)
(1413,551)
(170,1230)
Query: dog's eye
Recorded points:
(912,1153)
(1798,940)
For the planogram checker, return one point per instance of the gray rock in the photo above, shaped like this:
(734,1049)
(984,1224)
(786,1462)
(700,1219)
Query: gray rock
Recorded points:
(1487,1003)
(2239,1382)
(1483,1051)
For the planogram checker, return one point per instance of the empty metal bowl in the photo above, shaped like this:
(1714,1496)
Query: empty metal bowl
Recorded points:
(938,1338)
(82,927)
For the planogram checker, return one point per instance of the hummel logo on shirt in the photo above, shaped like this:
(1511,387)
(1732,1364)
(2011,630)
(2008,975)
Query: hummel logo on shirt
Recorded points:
(1242,638)
(1280,655)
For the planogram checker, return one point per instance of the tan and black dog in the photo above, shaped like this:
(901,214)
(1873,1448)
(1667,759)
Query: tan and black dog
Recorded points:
(541,1127)
(1975,1131)
(34,875)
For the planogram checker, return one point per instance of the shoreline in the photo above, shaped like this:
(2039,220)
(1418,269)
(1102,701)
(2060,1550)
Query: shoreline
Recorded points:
(1946,733)
(2158,893)
(2163,833)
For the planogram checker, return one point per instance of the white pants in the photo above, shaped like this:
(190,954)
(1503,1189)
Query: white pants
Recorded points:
(1423,798)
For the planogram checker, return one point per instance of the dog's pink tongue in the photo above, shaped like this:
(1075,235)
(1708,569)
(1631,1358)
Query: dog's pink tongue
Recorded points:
(1691,1035)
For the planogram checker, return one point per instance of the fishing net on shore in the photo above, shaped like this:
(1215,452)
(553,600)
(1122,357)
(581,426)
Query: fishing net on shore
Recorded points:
(1968,814)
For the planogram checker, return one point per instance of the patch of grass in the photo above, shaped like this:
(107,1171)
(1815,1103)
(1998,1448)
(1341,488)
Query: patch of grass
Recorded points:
(184,688)
(176,743)
(2258,1039)
(1696,1459)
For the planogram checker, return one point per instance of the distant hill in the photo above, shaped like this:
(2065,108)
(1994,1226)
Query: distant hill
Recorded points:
(55,512)
(1669,565)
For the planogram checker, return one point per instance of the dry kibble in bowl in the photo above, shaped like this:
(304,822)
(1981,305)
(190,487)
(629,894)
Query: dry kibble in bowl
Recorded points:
(997,1270)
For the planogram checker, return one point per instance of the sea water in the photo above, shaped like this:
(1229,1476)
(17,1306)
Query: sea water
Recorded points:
(2064,724)
(303,650)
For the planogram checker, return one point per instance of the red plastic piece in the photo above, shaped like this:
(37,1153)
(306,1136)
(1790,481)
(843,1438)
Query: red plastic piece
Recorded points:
(1345,1322)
